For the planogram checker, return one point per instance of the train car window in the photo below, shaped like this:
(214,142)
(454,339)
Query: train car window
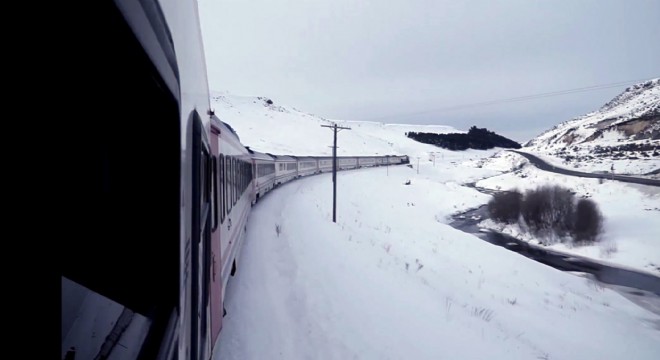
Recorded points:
(242,178)
(233,175)
(246,170)
(214,192)
(243,170)
(248,176)
(203,179)
(221,185)
(228,183)
(233,181)
(236,184)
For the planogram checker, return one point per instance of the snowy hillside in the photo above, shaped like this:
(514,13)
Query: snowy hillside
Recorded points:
(393,280)
(623,134)
(283,130)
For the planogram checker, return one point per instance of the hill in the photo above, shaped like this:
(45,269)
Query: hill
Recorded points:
(624,135)
(266,126)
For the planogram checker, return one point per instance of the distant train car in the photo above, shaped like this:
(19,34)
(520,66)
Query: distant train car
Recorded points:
(307,166)
(325,164)
(366,161)
(398,159)
(347,163)
(286,168)
(263,168)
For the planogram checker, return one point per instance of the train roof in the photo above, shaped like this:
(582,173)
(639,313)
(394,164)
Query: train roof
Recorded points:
(215,121)
(259,155)
(283,157)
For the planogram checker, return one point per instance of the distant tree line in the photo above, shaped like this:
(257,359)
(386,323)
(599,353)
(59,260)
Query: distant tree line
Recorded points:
(550,212)
(476,138)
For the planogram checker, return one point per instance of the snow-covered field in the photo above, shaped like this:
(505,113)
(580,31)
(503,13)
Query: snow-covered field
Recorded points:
(638,167)
(392,280)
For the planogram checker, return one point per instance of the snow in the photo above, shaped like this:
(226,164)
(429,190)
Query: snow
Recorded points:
(637,167)
(392,280)
(631,233)
(287,131)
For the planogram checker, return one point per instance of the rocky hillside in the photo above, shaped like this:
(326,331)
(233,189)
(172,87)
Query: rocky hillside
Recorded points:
(626,128)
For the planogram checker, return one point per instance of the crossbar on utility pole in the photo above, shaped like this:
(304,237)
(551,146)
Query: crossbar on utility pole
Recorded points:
(335,129)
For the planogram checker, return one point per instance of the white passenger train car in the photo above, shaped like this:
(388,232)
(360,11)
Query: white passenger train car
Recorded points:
(286,168)
(307,166)
(263,170)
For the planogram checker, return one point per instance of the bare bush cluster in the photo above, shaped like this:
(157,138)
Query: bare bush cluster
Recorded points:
(549,211)
(505,206)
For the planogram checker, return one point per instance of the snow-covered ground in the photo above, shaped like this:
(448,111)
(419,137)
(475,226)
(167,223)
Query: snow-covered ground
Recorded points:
(392,280)
(631,231)
(638,167)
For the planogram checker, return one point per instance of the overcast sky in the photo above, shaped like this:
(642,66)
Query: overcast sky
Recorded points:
(411,61)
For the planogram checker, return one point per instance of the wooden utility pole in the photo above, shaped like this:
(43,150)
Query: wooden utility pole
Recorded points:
(335,129)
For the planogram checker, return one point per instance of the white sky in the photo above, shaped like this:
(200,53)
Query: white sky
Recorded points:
(390,60)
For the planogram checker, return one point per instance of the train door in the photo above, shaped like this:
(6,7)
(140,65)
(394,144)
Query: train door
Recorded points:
(201,242)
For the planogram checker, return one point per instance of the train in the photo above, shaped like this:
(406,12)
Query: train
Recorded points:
(162,196)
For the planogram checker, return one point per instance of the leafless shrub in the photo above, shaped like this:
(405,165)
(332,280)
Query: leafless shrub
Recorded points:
(483,313)
(588,221)
(549,208)
(505,207)
(550,212)
(512,301)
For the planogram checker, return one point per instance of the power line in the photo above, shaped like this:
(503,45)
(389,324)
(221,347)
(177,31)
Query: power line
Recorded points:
(516,99)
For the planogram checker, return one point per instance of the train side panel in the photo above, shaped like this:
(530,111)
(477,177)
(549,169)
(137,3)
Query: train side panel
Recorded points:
(325,164)
(232,174)
(263,168)
(347,163)
(307,166)
(286,169)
